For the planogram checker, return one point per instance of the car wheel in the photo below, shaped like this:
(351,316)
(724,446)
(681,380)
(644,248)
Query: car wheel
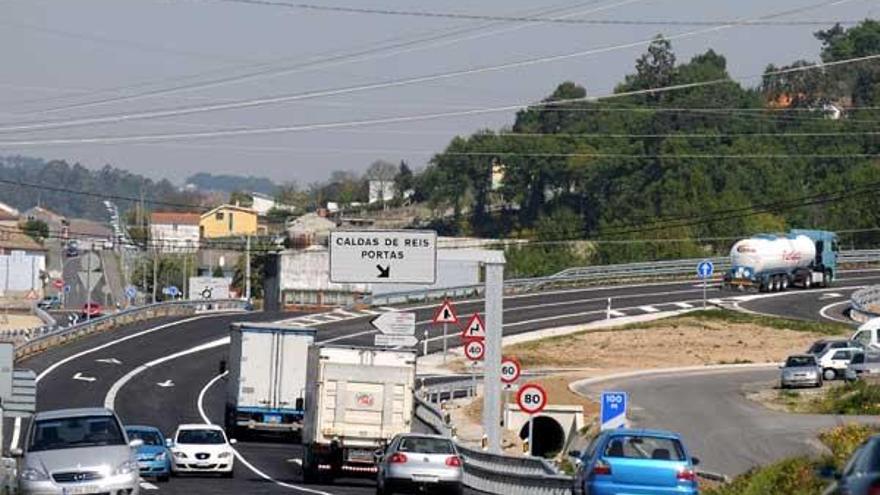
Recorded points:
(162,479)
(829,374)
(456,490)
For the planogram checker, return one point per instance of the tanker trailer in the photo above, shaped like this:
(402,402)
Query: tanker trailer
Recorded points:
(775,262)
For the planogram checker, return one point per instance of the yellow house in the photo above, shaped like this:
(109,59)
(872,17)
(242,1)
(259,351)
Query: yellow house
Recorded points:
(227,221)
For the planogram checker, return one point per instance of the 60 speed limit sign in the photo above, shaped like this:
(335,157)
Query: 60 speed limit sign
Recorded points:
(510,370)
(474,350)
(532,398)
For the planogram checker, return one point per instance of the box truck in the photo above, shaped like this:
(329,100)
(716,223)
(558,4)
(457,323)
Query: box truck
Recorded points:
(267,378)
(357,399)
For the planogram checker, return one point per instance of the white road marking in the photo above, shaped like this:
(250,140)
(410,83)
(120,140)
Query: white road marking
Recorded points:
(331,317)
(346,313)
(108,361)
(167,383)
(824,312)
(370,312)
(617,314)
(388,309)
(79,376)
(830,295)
(684,305)
(147,485)
(649,309)
(201,407)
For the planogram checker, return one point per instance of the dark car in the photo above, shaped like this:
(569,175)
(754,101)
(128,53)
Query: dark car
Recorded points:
(861,475)
(72,249)
(820,347)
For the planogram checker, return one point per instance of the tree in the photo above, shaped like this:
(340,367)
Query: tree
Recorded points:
(654,69)
(218,272)
(403,181)
(241,198)
(38,230)
(384,172)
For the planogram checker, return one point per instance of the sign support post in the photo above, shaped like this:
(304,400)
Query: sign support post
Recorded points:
(492,364)
(445,326)
(704,271)
(531,430)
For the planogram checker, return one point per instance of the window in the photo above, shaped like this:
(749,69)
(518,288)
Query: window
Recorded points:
(795,361)
(817,348)
(218,216)
(863,337)
(149,437)
(858,358)
(841,355)
(645,447)
(67,433)
(230,222)
(201,437)
(422,445)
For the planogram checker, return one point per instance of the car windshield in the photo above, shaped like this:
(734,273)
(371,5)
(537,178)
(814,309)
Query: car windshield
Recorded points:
(795,361)
(67,433)
(212,437)
(858,358)
(149,437)
(426,446)
(865,460)
(645,447)
(817,348)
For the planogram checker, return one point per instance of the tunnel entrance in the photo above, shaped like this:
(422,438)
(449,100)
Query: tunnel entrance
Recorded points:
(549,437)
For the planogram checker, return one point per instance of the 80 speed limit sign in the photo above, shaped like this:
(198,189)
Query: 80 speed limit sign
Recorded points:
(510,370)
(532,398)
(474,350)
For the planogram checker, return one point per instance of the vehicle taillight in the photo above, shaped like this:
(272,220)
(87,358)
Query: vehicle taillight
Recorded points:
(397,458)
(453,461)
(687,475)
(874,489)
(602,467)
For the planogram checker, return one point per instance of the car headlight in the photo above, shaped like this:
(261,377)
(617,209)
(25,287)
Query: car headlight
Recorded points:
(180,455)
(159,457)
(224,455)
(33,474)
(126,467)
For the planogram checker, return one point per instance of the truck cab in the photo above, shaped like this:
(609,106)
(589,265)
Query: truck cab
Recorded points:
(827,249)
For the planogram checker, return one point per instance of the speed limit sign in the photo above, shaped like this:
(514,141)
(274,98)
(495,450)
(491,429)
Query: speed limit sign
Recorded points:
(474,350)
(510,370)
(532,398)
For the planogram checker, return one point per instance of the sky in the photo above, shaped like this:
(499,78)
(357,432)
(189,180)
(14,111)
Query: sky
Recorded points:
(339,89)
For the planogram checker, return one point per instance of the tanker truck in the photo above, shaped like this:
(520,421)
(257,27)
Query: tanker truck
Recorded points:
(775,262)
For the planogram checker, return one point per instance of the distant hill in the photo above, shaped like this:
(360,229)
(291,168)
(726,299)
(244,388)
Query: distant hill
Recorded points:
(231,183)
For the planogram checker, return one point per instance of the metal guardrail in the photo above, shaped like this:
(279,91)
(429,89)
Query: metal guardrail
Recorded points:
(39,339)
(865,304)
(495,473)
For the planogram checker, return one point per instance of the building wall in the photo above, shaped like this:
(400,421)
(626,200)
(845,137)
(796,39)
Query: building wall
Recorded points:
(175,237)
(20,273)
(217,224)
(262,205)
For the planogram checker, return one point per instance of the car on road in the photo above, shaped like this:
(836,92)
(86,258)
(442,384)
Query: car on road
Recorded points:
(636,461)
(50,302)
(820,347)
(154,458)
(72,249)
(862,364)
(91,310)
(413,463)
(861,474)
(801,370)
(834,361)
(202,448)
(73,451)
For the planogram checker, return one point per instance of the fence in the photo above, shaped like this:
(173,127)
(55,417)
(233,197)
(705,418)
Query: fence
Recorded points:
(865,304)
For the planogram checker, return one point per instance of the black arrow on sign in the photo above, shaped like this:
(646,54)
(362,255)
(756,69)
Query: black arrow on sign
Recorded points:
(384,271)
(446,315)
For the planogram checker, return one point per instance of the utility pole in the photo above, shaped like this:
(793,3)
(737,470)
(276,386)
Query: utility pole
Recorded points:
(155,273)
(247,269)
(185,274)
(89,283)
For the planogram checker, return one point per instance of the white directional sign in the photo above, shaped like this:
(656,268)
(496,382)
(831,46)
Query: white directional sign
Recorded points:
(383,256)
(383,340)
(612,410)
(475,350)
(396,323)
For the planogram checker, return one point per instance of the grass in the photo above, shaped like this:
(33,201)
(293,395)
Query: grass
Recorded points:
(855,398)
(827,328)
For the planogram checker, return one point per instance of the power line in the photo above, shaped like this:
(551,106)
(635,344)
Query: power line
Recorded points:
(273,100)
(78,192)
(528,19)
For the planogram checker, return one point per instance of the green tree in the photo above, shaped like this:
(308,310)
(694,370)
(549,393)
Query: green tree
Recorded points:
(38,230)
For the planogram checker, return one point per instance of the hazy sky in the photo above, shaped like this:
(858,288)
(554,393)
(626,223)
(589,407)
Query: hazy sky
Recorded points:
(107,54)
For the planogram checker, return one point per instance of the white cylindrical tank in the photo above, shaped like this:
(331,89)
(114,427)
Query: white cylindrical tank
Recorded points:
(771,253)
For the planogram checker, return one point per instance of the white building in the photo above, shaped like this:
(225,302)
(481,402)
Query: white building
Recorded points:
(381,190)
(173,232)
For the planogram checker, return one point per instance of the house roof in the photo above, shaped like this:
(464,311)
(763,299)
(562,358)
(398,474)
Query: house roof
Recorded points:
(173,217)
(80,227)
(8,213)
(229,207)
(40,212)
(14,238)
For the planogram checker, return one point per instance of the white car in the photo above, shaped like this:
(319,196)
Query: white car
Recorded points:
(201,448)
(834,361)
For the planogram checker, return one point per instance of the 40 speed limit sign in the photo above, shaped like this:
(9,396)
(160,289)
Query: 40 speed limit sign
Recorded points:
(510,370)
(474,350)
(532,398)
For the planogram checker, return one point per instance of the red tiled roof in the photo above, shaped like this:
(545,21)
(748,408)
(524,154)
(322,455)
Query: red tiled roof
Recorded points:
(172,218)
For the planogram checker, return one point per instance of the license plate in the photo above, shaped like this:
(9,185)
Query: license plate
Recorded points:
(80,490)
(272,418)
(143,465)
(203,464)
(360,455)
(424,478)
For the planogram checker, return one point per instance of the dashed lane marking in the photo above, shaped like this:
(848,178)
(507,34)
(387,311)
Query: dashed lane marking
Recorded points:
(649,309)
(145,485)
(616,314)
(684,305)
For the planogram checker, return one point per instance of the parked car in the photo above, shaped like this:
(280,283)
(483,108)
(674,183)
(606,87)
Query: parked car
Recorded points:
(49,302)
(636,461)
(868,335)
(835,361)
(201,448)
(77,451)
(863,363)
(416,462)
(91,310)
(861,474)
(820,347)
(801,370)
(154,458)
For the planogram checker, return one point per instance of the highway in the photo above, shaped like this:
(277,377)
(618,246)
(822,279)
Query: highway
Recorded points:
(125,368)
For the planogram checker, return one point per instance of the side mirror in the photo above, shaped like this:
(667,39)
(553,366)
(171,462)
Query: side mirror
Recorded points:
(137,442)
(16,452)
(695,461)
(232,441)
(574,453)
(169,443)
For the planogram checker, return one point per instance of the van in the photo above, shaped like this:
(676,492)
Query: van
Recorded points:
(867,336)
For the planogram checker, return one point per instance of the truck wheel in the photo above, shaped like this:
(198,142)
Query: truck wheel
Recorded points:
(785,282)
(808,282)
(309,468)
(829,374)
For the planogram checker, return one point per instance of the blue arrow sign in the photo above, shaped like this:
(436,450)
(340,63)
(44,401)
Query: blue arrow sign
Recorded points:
(130,292)
(171,291)
(66,288)
(612,407)
(705,269)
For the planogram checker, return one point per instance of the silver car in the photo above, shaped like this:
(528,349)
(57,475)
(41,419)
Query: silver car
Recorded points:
(862,364)
(78,452)
(801,371)
(414,463)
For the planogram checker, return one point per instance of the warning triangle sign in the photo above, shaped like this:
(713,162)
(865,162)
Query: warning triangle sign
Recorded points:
(475,329)
(446,313)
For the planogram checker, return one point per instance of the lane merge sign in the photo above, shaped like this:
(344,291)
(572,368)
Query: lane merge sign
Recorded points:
(475,329)
(531,398)
(510,370)
(612,412)
(475,350)
(705,269)
(383,256)
(446,313)
(395,323)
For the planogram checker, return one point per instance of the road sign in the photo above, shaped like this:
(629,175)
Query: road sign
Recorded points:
(66,288)
(475,329)
(531,398)
(396,323)
(130,292)
(705,269)
(446,313)
(23,401)
(510,370)
(383,256)
(475,350)
(171,291)
(383,340)
(612,407)
(58,283)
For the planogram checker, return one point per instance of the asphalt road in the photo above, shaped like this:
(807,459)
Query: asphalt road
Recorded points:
(79,294)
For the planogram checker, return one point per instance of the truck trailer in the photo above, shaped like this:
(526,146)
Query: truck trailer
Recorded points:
(775,262)
(357,400)
(267,378)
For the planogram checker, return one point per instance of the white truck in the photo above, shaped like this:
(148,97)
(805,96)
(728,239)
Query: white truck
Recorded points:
(357,399)
(267,378)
